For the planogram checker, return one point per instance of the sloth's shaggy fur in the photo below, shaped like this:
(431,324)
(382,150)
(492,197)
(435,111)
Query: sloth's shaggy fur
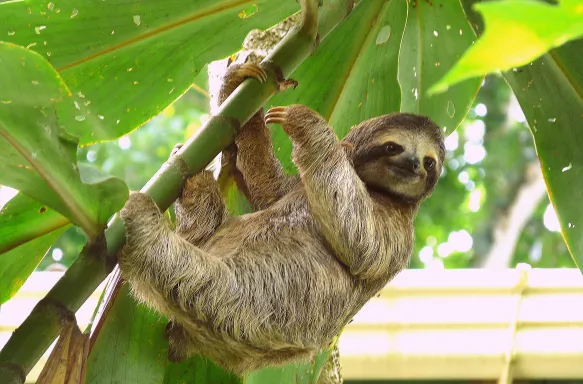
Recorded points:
(277,285)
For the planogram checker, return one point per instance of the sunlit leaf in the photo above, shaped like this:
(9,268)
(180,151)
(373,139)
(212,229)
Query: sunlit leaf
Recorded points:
(352,76)
(436,35)
(235,199)
(17,264)
(550,92)
(126,61)
(516,33)
(37,154)
(23,219)
(27,230)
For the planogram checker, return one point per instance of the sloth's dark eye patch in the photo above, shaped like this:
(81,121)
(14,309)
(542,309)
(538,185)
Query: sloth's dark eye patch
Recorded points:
(393,148)
(429,163)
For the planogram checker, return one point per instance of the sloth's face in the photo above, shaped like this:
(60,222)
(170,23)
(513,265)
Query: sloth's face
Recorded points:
(403,155)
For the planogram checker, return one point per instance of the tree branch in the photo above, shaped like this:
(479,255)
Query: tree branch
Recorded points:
(507,230)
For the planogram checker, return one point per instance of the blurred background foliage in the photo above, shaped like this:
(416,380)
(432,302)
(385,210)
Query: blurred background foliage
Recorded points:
(488,160)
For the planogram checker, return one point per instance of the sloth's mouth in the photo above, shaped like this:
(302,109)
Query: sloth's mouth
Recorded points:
(402,172)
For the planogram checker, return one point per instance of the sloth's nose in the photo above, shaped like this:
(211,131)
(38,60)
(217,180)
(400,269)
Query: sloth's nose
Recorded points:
(413,163)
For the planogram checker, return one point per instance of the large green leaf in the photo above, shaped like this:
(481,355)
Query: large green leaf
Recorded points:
(129,347)
(197,370)
(353,74)
(375,63)
(306,373)
(37,155)
(435,37)
(139,335)
(235,199)
(126,61)
(517,32)
(17,264)
(27,230)
(23,219)
(550,92)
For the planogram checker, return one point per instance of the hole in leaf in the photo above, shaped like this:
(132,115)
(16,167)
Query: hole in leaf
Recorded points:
(384,35)
(450,108)
(248,12)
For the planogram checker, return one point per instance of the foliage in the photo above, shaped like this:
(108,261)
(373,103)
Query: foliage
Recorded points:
(38,155)
(517,32)
(20,261)
(132,58)
(474,192)
(549,92)
(136,60)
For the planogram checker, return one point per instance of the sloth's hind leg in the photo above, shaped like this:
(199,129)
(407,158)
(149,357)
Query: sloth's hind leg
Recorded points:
(163,269)
(200,210)
(177,342)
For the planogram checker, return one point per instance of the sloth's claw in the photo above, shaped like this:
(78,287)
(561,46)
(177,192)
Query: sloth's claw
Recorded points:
(276,115)
(254,71)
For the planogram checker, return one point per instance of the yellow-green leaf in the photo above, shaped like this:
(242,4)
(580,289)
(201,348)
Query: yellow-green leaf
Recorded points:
(516,33)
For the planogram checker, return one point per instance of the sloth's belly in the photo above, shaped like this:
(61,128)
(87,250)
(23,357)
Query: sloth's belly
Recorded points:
(264,230)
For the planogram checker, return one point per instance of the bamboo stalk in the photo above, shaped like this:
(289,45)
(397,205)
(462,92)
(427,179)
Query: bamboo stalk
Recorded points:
(42,326)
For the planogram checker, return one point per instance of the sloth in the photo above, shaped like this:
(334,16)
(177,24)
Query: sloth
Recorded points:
(277,285)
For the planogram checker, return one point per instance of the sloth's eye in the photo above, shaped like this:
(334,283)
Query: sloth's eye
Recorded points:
(393,148)
(429,163)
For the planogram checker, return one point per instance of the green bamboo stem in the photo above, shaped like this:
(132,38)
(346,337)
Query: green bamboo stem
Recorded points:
(43,325)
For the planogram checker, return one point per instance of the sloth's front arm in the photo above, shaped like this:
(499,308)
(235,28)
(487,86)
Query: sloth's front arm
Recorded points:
(338,199)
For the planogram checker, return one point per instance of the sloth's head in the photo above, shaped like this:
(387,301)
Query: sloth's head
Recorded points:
(399,155)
